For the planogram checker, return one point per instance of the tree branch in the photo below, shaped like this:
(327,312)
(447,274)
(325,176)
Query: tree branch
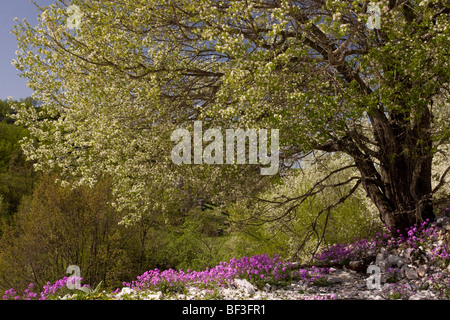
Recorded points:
(441,181)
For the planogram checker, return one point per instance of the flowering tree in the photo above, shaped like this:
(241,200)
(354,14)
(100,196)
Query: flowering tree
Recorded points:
(127,73)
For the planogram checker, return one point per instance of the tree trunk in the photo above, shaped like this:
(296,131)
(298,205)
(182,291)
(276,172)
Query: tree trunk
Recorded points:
(401,186)
(408,191)
(401,189)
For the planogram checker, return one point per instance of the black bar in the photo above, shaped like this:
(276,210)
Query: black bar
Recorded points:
(223,309)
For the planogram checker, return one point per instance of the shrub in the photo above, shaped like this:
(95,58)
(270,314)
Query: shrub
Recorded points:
(58,227)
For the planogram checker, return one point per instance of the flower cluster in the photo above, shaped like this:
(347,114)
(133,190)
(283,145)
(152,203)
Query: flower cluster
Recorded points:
(339,254)
(258,269)
(440,252)
(441,283)
(416,236)
(49,291)
(398,292)
(11,294)
(53,289)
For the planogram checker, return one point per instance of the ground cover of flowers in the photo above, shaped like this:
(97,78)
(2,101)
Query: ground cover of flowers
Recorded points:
(262,272)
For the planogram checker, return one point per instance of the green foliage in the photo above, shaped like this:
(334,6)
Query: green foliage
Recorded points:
(10,135)
(83,293)
(3,206)
(16,173)
(5,111)
(58,227)
(168,287)
(197,243)
(322,282)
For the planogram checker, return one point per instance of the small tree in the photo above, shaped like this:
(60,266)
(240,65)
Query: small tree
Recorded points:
(57,227)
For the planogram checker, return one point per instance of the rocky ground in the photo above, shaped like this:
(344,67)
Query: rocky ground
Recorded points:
(406,273)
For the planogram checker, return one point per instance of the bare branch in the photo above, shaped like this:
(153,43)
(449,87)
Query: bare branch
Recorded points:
(327,209)
(441,181)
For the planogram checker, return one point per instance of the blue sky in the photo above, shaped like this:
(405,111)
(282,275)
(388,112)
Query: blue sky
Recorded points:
(10,82)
